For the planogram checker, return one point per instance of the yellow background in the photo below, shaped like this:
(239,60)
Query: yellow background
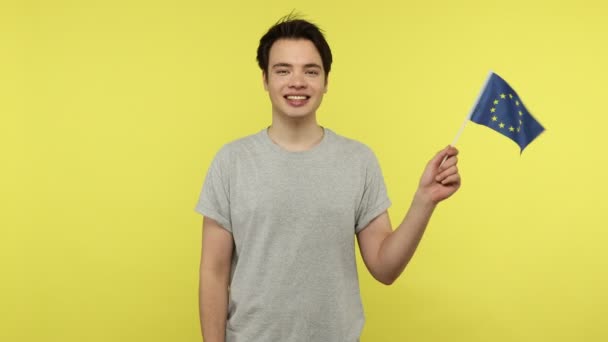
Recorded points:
(111,112)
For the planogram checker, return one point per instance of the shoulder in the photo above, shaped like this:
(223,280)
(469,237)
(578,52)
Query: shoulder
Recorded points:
(351,147)
(238,147)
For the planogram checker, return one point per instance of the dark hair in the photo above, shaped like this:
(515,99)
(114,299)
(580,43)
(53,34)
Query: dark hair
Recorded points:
(290,27)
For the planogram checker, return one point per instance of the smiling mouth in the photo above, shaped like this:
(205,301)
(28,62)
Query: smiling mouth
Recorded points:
(297,97)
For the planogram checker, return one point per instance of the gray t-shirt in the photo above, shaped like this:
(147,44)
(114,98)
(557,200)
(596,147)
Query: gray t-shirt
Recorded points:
(293,217)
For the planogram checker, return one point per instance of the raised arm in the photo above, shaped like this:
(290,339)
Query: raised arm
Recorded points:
(387,252)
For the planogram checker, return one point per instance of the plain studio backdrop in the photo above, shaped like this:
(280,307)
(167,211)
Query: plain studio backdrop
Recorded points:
(111,112)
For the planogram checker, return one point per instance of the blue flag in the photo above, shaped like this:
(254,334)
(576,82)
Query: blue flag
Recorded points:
(500,108)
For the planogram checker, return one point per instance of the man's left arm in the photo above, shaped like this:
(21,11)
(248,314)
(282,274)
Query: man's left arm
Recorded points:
(385,252)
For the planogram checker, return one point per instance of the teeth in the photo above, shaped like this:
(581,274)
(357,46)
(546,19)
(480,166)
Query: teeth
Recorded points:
(296,97)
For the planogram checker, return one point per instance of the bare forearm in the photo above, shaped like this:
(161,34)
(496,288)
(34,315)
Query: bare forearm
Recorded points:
(398,247)
(213,308)
(386,252)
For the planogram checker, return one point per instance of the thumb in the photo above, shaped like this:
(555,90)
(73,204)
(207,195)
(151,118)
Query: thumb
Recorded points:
(440,157)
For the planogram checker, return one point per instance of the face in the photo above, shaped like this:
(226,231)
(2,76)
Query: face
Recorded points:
(296,80)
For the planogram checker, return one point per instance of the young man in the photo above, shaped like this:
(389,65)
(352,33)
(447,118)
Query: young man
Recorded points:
(281,209)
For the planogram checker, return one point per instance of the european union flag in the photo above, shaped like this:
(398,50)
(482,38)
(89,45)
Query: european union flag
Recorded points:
(500,108)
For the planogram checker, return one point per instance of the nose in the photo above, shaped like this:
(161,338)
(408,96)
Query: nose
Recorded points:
(297,80)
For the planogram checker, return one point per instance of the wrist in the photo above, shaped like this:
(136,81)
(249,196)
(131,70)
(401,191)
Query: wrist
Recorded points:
(424,200)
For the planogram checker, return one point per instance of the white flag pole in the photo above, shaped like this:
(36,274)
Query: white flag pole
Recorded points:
(485,84)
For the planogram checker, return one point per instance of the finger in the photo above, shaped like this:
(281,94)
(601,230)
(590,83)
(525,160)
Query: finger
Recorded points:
(449,162)
(451,179)
(452,151)
(440,157)
(446,173)
(449,152)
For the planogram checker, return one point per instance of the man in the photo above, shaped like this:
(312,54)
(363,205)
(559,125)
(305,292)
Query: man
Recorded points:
(281,208)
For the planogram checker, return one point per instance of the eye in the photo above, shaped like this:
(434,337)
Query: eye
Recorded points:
(281,71)
(313,72)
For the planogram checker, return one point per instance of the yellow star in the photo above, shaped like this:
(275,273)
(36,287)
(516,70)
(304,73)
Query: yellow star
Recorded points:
(511,128)
(510,96)
(492,110)
(520,113)
(502,125)
(494,118)
(517,103)
(502,96)
(495,102)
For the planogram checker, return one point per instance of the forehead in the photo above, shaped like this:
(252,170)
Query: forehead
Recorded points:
(293,51)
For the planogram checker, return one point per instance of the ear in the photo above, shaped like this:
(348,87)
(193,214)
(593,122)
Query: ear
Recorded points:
(326,84)
(265,80)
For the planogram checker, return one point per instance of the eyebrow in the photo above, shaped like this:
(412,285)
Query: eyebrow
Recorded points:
(309,65)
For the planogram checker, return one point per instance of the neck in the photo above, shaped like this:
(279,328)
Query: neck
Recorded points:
(296,135)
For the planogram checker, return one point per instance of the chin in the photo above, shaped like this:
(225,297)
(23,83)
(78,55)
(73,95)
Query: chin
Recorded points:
(298,115)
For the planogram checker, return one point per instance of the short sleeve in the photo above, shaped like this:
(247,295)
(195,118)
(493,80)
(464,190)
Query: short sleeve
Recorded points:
(214,199)
(374,200)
